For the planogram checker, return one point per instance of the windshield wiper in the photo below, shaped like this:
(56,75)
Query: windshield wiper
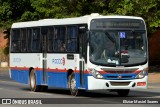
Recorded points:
(110,37)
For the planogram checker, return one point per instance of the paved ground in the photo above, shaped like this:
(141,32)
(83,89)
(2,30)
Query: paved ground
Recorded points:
(153,78)
(11,89)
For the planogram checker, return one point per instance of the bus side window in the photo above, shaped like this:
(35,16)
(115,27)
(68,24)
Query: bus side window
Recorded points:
(62,47)
(59,39)
(15,45)
(29,38)
(57,30)
(36,39)
(71,39)
(50,36)
(23,40)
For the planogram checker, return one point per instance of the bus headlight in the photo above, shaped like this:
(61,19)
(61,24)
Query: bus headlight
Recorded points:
(95,73)
(142,74)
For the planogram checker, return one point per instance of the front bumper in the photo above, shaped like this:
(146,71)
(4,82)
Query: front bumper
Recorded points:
(98,84)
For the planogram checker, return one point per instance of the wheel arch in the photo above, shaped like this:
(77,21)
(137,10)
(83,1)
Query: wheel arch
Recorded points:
(69,72)
(30,69)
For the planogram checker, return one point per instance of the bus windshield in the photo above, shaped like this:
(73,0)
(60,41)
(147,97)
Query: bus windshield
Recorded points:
(118,47)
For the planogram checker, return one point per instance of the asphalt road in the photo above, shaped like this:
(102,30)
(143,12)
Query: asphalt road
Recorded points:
(11,89)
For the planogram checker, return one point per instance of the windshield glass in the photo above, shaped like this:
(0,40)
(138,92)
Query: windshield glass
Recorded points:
(122,48)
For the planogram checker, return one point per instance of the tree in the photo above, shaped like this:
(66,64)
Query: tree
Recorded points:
(11,11)
(147,9)
(25,10)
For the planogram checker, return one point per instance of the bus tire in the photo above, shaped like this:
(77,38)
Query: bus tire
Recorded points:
(43,88)
(123,92)
(72,84)
(33,85)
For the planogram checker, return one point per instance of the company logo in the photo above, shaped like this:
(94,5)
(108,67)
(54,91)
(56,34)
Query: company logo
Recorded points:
(119,77)
(63,61)
(16,59)
(59,61)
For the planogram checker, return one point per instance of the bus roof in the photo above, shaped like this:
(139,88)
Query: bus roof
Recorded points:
(67,21)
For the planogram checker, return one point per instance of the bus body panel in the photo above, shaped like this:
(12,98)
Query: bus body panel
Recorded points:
(20,64)
(57,79)
(26,60)
(20,76)
(58,64)
(57,67)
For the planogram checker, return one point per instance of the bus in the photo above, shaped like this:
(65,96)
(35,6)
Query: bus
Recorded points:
(91,52)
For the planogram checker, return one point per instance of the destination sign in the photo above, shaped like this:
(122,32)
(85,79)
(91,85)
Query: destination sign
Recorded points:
(117,23)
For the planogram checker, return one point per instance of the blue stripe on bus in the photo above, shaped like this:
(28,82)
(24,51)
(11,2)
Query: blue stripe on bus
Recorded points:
(59,79)
(55,79)
(20,76)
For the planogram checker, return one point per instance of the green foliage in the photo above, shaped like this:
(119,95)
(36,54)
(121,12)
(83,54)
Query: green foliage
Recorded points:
(28,16)
(26,10)
(12,10)
(5,11)
(148,9)
(50,8)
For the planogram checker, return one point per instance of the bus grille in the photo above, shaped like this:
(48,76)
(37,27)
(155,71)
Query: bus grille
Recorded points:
(119,72)
(120,83)
(117,77)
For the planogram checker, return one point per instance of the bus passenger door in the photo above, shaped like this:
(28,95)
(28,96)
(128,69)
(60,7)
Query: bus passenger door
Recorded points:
(81,65)
(44,54)
(82,50)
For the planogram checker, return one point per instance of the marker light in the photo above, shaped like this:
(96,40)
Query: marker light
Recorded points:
(141,83)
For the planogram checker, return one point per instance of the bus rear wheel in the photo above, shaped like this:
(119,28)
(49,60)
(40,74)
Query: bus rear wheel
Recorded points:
(123,92)
(33,86)
(72,85)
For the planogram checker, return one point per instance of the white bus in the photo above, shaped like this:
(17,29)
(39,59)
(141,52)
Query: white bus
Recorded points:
(91,52)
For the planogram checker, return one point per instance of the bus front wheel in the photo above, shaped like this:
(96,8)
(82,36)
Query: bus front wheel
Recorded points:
(123,92)
(72,85)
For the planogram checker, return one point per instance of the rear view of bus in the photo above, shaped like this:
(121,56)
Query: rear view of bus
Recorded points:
(118,58)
